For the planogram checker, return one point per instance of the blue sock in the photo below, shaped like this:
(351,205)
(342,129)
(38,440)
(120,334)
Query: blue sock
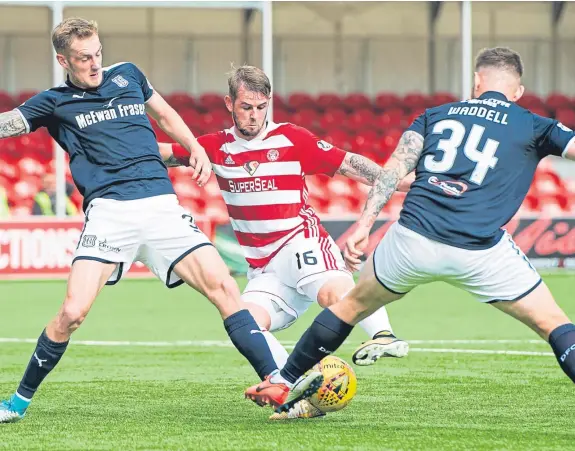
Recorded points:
(248,339)
(324,336)
(46,355)
(562,340)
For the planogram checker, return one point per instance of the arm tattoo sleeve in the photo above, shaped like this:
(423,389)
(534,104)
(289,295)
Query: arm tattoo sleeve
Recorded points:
(360,168)
(11,124)
(402,162)
(172,161)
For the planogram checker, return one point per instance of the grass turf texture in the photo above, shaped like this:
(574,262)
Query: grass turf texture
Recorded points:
(191,396)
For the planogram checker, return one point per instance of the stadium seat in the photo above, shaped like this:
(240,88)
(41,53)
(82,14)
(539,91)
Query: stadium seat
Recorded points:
(414,100)
(556,101)
(357,101)
(385,101)
(390,118)
(333,118)
(211,101)
(362,119)
(299,100)
(566,116)
(329,101)
(23,96)
(180,100)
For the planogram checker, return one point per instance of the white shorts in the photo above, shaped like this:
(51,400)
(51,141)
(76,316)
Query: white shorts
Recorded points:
(289,284)
(405,259)
(156,231)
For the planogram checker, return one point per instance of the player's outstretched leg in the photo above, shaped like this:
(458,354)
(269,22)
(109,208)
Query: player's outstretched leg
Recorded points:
(376,325)
(540,312)
(383,343)
(206,272)
(87,277)
(329,330)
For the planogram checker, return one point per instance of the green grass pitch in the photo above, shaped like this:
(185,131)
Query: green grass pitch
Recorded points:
(454,390)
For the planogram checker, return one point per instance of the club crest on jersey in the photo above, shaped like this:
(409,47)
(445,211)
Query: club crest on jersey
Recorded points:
(325,146)
(449,187)
(120,81)
(251,167)
(273,154)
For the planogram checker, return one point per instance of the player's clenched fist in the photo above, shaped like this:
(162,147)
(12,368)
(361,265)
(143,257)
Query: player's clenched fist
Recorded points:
(354,247)
(201,164)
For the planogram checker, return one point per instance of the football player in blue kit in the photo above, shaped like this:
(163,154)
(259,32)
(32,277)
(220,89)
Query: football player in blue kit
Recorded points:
(99,118)
(474,162)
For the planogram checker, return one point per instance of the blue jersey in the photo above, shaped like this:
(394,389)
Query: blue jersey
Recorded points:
(478,161)
(107,134)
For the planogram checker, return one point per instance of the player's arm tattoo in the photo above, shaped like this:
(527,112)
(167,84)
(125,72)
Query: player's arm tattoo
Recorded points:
(359,168)
(402,162)
(11,124)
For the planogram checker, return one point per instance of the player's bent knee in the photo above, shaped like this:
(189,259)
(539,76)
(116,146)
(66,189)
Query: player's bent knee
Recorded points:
(224,293)
(71,316)
(260,314)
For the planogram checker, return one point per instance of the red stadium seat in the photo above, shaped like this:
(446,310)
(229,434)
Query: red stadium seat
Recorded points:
(333,118)
(7,100)
(299,100)
(180,100)
(414,100)
(305,117)
(566,116)
(440,98)
(391,118)
(23,96)
(530,101)
(386,101)
(211,101)
(362,119)
(279,102)
(31,167)
(556,101)
(356,101)
(329,101)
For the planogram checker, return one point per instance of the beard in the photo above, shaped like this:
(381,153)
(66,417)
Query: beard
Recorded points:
(245,131)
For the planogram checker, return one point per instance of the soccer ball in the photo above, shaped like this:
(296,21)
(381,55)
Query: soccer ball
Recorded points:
(339,385)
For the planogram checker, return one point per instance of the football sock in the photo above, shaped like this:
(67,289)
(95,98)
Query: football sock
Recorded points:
(376,322)
(324,336)
(279,353)
(250,341)
(46,355)
(562,341)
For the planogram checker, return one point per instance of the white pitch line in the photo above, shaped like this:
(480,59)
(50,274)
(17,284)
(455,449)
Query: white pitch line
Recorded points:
(290,344)
(480,351)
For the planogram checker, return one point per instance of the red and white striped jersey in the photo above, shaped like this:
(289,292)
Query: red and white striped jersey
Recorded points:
(263,184)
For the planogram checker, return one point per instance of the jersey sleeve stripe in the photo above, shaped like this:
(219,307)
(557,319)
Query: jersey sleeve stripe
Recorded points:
(25,120)
(564,153)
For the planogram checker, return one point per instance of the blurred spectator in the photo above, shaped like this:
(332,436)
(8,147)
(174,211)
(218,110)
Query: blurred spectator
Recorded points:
(45,200)
(4,209)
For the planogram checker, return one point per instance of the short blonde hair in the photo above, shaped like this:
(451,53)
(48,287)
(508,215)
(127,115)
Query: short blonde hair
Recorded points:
(73,27)
(251,78)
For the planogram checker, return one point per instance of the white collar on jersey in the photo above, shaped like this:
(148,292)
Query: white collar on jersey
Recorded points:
(269,127)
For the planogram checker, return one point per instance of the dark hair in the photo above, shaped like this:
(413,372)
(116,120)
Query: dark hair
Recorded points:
(500,58)
(251,78)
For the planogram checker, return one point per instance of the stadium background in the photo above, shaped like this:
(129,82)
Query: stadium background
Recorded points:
(356,73)
(152,368)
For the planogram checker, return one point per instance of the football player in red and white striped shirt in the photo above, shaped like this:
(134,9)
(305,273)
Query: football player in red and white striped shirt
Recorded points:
(260,168)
